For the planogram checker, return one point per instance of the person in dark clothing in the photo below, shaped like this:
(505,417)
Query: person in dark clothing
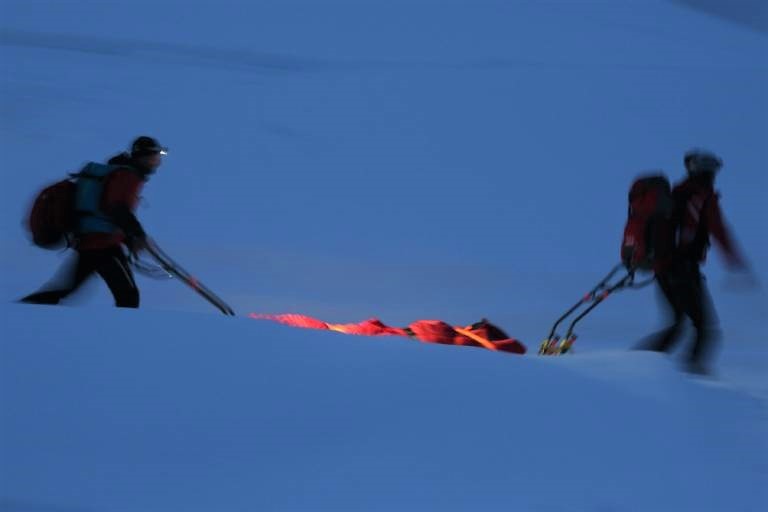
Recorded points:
(102,232)
(697,216)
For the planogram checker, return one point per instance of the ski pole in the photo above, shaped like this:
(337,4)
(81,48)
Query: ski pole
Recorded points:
(589,296)
(570,337)
(176,270)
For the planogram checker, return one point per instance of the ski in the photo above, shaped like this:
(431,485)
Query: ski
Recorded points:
(173,268)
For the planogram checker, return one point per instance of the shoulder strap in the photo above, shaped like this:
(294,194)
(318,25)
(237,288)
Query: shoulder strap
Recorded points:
(96,171)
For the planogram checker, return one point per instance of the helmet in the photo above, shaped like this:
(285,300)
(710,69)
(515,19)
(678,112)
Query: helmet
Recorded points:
(698,161)
(144,145)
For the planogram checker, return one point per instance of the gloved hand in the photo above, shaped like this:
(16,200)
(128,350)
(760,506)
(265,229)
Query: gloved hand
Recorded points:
(136,244)
(742,279)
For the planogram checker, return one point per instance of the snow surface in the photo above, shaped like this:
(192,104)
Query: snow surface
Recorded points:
(223,414)
(401,159)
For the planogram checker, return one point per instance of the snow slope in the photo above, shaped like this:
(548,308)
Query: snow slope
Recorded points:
(234,414)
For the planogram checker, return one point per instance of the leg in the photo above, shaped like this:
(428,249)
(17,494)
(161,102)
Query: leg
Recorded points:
(116,272)
(69,278)
(663,340)
(698,306)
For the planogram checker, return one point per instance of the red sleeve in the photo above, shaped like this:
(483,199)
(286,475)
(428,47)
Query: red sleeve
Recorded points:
(719,230)
(122,187)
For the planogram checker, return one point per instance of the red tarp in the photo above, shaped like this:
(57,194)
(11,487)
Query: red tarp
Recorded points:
(481,334)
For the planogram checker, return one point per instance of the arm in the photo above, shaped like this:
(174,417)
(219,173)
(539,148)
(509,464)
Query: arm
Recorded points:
(121,195)
(722,235)
(127,221)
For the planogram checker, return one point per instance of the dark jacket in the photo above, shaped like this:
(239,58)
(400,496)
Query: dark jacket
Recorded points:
(699,216)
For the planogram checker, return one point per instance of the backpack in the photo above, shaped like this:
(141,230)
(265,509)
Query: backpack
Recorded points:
(52,217)
(70,206)
(87,203)
(649,234)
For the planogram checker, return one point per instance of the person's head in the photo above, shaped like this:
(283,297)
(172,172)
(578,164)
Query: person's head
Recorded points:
(702,164)
(147,153)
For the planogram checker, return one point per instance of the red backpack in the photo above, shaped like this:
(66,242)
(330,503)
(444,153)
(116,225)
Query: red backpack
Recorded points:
(52,217)
(649,235)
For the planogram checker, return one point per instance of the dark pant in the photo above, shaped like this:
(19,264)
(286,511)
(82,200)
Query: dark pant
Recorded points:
(686,295)
(111,264)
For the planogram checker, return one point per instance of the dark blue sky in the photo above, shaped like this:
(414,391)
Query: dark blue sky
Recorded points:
(749,13)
